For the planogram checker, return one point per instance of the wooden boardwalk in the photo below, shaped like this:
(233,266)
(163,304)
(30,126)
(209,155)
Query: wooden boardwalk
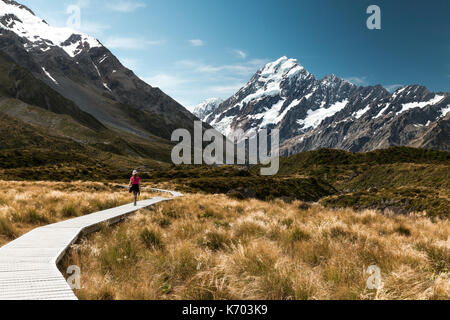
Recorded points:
(28,265)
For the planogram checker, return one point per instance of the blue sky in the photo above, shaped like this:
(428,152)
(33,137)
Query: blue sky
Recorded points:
(198,49)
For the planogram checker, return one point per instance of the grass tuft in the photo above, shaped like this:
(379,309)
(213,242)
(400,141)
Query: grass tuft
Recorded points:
(299,235)
(7,229)
(152,239)
(69,211)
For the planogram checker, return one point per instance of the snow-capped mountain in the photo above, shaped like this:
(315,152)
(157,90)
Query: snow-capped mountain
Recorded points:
(204,109)
(82,70)
(274,92)
(333,112)
(37,34)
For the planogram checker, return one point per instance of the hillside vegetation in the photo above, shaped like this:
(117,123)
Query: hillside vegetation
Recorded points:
(398,179)
(30,152)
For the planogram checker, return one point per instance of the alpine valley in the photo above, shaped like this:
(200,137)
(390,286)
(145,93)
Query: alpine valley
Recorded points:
(66,100)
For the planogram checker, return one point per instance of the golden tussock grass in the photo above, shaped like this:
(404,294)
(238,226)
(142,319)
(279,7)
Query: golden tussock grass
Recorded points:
(27,205)
(214,247)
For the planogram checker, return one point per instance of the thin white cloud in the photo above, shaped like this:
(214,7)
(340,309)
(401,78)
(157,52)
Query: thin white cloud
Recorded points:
(129,63)
(239,69)
(125,6)
(130,43)
(197,42)
(240,54)
(200,67)
(393,87)
(225,89)
(258,62)
(179,86)
(165,81)
(93,28)
(361,81)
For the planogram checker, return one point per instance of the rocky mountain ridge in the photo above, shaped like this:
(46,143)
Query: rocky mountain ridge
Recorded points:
(333,112)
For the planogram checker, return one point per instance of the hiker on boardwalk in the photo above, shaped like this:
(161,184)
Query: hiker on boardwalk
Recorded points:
(135,186)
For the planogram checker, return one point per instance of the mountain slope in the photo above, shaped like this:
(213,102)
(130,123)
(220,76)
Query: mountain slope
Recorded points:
(35,153)
(17,82)
(82,70)
(28,99)
(332,112)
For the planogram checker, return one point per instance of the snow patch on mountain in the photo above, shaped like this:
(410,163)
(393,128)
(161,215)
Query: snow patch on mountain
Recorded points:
(289,107)
(420,104)
(398,92)
(360,113)
(445,110)
(315,117)
(382,111)
(106,86)
(49,75)
(103,58)
(271,116)
(96,69)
